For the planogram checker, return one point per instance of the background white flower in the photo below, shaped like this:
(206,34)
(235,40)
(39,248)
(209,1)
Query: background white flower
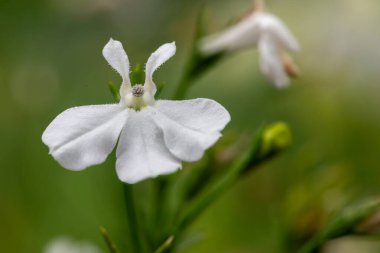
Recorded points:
(154,135)
(264,31)
(68,245)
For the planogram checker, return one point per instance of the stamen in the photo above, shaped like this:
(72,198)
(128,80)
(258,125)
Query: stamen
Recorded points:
(138,90)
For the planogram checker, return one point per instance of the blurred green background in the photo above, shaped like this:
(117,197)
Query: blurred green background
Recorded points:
(50,60)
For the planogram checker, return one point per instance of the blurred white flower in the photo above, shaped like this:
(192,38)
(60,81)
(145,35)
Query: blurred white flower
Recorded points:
(68,245)
(264,31)
(154,135)
(351,244)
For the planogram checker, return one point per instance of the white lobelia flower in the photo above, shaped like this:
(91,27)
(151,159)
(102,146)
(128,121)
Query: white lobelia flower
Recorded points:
(264,31)
(154,135)
(68,245)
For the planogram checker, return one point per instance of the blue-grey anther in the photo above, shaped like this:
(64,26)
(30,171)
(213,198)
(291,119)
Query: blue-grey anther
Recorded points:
(138,90)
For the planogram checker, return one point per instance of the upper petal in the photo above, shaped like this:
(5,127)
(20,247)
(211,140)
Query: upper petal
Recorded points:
(141,152)
(271,61)
(83,136)
(161,55)
(275,26)
(243,34)
(115,55)
(190,126)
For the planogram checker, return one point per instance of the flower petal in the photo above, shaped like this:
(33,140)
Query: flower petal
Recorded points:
(190,126)
(83,136)
(243,34)
(141,152)
(275,26)
(161,55)
(271,61)
(65,244)
(115,55)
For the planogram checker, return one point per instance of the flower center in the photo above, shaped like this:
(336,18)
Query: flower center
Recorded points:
(138,97)
(138,90)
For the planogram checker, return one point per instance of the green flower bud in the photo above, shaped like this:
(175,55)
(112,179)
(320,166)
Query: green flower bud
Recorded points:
(275,137)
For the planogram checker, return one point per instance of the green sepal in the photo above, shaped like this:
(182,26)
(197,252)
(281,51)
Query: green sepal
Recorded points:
(114,91)
(137,75)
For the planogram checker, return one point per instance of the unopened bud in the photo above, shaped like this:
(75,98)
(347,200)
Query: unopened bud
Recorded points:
(275,137)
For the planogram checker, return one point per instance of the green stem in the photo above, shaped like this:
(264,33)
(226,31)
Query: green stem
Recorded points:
(216,188)
(110,245)
(197,64)
(192,62)
(185,81)
(261,150)
(270,141)
(161,185)
(345,223)
(132,219)
(165,246)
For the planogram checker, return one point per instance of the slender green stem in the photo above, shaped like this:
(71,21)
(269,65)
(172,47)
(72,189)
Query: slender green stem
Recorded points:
(270,141)
(187,76)
(110,245)
(165,246)
(160,193)
(344,223)
(182,88)
(134,229)
(197,64)
(216,188)
(192,62)
(261,150)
